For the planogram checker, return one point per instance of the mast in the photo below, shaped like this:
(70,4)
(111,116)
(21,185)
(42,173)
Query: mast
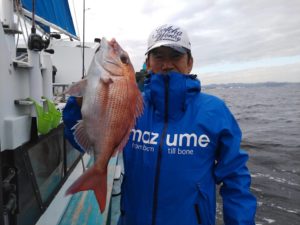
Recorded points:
(83,41)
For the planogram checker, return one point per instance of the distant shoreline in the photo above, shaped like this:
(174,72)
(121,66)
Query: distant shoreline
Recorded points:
(246,85)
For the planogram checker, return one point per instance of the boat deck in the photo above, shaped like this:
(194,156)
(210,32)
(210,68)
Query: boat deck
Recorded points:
(82,207)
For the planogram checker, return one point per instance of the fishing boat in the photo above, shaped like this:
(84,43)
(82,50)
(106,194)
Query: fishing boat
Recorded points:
(37,163)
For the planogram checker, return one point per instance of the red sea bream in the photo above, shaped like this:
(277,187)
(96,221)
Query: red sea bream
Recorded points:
(111,104)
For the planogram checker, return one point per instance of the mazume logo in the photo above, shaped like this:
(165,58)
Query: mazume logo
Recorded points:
(172,140)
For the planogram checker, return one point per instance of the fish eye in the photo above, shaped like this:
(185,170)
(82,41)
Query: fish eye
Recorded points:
(124,59)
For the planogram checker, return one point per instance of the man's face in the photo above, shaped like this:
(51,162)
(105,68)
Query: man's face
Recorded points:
(165,59)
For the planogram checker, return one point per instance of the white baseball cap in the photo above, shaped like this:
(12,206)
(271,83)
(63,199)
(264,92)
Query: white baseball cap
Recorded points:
(170,36)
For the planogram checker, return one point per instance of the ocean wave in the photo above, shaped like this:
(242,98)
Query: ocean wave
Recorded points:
(276,179)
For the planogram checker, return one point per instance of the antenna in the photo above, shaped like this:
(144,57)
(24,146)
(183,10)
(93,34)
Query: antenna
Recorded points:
(83,40)
(33,29)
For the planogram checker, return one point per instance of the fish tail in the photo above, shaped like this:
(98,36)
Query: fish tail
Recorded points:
(94,180)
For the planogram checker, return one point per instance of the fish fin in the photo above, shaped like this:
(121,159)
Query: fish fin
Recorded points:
(123,142)
(138,110)
(94,180)
(77,89)
(106,79)
(139,104)
(81,137)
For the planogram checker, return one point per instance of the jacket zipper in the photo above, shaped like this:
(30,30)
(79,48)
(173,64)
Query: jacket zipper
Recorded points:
(159,154)
(197,210)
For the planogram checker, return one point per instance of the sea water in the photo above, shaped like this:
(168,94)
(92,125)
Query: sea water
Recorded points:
(269,117)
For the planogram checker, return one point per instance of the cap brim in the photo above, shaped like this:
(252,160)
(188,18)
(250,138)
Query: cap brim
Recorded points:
(177,48)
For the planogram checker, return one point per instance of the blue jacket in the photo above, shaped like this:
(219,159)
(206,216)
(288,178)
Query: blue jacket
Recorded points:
(71,115)
(184,144)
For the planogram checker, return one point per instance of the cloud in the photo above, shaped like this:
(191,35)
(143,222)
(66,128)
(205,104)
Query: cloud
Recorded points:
(285,73)
(239,31)
(221,31)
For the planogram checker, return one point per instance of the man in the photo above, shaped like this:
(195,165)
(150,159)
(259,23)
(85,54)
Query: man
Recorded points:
(184,144)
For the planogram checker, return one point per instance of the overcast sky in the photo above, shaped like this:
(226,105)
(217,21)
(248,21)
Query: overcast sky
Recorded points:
(257,37)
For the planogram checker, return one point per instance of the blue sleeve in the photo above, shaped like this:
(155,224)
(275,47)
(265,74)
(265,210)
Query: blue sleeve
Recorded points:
(71,114)
(239,205)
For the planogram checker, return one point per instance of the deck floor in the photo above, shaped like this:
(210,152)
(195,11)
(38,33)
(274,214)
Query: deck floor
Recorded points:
(83,207)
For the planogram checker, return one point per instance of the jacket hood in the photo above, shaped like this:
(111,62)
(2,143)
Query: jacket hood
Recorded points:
(174,89)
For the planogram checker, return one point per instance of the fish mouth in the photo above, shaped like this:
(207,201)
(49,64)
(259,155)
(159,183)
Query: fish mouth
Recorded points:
(113,58)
